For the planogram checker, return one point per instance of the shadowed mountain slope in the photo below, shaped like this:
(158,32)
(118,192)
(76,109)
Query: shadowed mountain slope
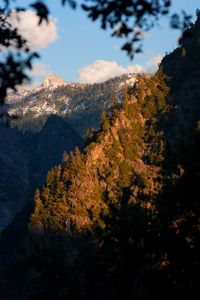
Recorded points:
(25,160)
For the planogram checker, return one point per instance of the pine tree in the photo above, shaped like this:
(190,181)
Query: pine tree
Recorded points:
(104,121)
(113,102)
(65,157)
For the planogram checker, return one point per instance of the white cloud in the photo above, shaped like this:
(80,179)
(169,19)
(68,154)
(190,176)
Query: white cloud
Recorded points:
(37,36)
(102,70)
(152,64)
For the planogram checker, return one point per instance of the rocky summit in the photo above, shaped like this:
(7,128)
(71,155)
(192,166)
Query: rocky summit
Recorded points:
(52,81)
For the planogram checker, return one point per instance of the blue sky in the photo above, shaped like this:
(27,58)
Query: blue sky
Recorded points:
(80,42)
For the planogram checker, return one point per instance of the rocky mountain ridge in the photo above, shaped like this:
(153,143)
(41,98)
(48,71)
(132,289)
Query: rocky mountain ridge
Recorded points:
(80,104)
(52,81)
(47,118)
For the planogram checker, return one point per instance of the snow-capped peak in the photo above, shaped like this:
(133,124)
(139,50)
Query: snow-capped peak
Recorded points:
(52,80)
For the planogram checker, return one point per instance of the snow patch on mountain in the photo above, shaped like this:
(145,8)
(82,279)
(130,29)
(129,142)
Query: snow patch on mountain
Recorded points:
(66,99)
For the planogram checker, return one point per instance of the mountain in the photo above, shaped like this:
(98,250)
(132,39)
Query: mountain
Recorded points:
(52,81)
(121,219)
(51,119)
(80,104)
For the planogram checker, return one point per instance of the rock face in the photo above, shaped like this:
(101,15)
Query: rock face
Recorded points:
(52,81)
